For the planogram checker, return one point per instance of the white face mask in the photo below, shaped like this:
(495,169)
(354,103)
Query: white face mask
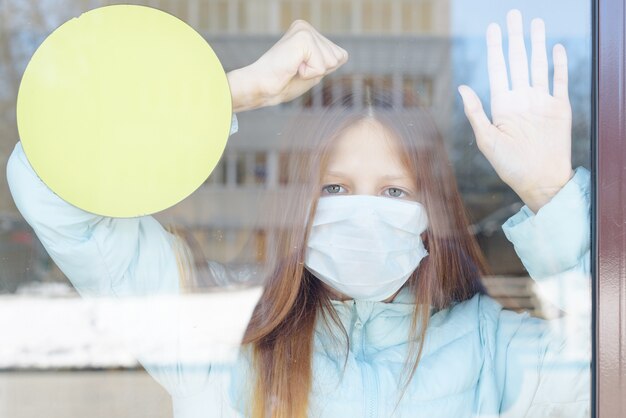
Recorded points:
(366,247)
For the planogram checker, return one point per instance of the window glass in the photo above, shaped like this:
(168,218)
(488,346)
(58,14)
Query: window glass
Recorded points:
(380,244)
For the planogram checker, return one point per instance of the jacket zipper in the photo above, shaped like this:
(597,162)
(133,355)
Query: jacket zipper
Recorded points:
(371,391)
(370,385)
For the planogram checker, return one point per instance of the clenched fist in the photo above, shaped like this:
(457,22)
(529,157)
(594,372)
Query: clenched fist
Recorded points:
(297,62)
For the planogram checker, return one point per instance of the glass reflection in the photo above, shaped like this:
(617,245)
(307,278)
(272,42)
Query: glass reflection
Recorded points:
(246,235)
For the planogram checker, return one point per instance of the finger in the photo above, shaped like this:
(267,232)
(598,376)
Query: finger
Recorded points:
(539,58)
(559,56)
(334,55)
(518,62)
(312,59)
(496,67)
(319,56)
(341,54)
(476,115)
(325,46)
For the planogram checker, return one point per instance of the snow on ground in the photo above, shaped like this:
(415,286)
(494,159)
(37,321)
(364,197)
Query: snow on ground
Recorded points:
(54,328)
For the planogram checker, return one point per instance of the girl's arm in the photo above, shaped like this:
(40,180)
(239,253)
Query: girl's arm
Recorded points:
(134,257)
(540,368)
(101,256)
(543,367)
(555,243)
(130,266)
(96,252)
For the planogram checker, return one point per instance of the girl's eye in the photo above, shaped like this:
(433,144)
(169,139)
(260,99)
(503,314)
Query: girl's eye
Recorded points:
(395,192)
(333,189)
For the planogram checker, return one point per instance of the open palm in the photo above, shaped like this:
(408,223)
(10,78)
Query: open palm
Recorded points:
(528,142)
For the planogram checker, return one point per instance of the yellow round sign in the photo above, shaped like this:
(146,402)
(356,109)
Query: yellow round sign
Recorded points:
(124,111)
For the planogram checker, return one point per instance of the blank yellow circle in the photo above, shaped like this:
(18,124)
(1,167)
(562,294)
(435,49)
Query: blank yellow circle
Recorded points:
(124,111)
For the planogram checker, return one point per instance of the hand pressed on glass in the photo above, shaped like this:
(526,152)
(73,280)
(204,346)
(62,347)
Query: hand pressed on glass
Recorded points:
(529,141)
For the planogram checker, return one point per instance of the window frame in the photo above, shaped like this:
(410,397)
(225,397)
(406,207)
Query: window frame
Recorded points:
(609,212)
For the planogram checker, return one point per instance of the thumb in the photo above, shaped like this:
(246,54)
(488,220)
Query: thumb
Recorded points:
(302,70)
(312,65)
(475,114)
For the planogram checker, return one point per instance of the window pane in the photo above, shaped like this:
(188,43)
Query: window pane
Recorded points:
(377,253)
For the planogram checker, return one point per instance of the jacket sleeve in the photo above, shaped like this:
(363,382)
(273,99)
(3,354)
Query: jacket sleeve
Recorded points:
(125,259)
(543,366)
(101,256)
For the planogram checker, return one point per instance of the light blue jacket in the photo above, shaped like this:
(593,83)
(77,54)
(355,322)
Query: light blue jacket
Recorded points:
(478,359)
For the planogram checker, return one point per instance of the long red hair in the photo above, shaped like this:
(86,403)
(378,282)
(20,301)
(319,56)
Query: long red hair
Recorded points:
(281,330)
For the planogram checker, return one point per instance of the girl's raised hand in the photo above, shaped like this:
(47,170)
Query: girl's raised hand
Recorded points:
(529,141)
(297,62)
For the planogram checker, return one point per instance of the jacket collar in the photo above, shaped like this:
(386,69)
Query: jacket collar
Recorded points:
(381,325)
(370,325)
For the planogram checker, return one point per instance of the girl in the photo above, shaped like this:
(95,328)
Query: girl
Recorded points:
(373,304)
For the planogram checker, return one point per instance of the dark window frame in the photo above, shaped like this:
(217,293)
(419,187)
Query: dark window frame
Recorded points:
(609,214)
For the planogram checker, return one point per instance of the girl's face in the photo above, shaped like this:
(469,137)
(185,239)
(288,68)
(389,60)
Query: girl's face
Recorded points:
(366,160)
